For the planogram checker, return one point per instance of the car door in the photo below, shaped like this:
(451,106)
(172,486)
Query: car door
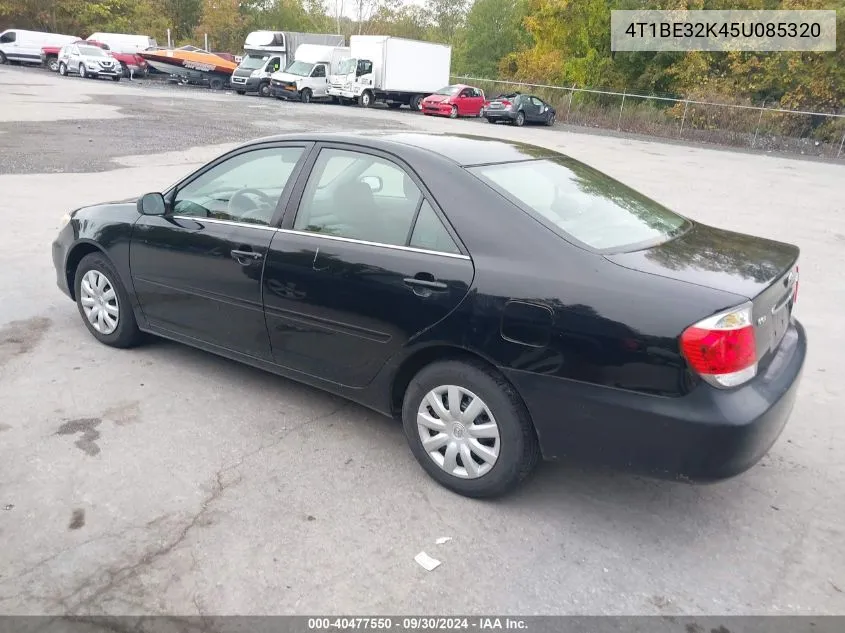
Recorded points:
(9,44)
(197,269)
(75,59)
(319,82)
(464,102)
(537,114)
(475,102)
(364,262)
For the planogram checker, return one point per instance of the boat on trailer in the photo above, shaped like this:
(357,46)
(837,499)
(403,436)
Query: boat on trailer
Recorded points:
(191,65)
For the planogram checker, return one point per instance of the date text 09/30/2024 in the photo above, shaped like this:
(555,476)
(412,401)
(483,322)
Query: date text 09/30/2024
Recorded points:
(417,623)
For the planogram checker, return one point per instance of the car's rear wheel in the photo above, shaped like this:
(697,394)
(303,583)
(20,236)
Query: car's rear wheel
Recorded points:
(63,69)
(53,64)
(124,69)
(520,119)
(453,113)
(104,303)
(469,429)
(416,102)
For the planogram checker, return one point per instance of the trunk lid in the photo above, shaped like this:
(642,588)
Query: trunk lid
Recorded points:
(761,270)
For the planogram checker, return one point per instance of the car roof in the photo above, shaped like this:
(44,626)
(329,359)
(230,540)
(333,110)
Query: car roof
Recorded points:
(463,149)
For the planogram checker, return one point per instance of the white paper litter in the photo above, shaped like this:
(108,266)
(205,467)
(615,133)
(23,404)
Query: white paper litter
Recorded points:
(443,539)
(428,563)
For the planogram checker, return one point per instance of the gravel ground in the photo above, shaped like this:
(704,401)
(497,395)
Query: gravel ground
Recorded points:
(167,480)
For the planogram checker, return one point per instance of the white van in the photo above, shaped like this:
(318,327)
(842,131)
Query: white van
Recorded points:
(124,43)
(17,45)
(307,77)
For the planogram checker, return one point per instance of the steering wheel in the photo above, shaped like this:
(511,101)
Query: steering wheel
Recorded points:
(234,208)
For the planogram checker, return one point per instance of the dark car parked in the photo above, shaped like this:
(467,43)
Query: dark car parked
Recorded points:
(519,109)
(503,300)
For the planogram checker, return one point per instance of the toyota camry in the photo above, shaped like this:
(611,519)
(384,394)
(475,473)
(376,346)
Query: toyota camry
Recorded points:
(505,302)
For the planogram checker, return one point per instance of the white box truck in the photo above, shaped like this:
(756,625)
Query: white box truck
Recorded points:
(392,70)
(307,78)
(266,52)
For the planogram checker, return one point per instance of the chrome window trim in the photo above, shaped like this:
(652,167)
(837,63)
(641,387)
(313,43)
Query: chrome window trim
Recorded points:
(337,238)
(352,240)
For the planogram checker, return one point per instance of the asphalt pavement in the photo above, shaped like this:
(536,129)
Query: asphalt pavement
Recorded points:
(167,480)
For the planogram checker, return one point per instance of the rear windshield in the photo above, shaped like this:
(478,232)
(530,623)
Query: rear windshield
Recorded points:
(579,202)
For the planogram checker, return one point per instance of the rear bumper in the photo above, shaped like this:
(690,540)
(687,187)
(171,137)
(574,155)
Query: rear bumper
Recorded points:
(500,115)
(706,436)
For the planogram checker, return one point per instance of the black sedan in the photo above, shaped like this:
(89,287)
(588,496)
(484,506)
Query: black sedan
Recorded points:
(519,109)
(504,301)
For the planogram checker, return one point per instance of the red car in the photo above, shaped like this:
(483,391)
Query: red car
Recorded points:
(454,101)
(50,58)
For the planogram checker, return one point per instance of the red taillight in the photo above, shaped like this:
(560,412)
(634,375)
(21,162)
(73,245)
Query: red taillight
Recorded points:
(506,103)
(722,349)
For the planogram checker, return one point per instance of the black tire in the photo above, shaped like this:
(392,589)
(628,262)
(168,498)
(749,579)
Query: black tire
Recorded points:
(3,59)
(264,89)
(305,95)
(550,121)
(63,69)
(416,102)
(124,69)
(240,92)
(453,113)
(83,74)
(215,83)
(519,121)
(489,120)
(116,78)
(519,452)
(366,99)
(53,64)
(127,333)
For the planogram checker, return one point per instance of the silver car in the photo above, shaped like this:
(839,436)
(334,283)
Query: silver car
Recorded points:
(87,60)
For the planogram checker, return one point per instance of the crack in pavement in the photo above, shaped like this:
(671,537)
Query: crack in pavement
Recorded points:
(71,603)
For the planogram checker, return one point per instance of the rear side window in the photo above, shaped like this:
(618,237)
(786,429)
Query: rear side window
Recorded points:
(579,202)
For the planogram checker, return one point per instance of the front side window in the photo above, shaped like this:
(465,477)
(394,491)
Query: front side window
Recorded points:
(244,188)
(8,37)
(319,71)
(580,202)
(299,68)
(359,196)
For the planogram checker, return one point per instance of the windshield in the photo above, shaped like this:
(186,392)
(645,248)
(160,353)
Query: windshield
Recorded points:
(300,68)
(347,66)
(580,202)
(448,90)
(92,51)
(251,62)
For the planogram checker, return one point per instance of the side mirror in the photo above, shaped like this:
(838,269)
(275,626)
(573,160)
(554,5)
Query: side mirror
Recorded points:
(152,204)
(373,182)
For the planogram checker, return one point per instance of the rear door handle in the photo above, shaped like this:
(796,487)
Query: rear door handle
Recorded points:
(426,283)
(244,258)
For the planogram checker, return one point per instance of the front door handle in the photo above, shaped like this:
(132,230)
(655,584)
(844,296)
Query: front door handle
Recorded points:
(244,258)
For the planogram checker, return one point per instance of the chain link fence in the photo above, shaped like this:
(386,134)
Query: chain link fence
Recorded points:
(755,127)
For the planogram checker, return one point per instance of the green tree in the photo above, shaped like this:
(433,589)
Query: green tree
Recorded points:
(493,30)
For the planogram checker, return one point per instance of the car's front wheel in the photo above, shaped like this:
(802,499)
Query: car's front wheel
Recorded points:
(63,69)
(82,72)
(453,113)
(469,429)
(104,303)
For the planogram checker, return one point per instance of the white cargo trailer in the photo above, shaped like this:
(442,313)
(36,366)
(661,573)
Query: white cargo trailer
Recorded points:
(393,70)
